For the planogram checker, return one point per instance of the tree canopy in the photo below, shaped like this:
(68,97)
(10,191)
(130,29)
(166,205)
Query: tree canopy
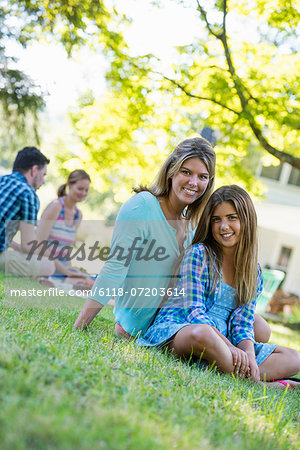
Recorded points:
(255,83)
(72,23)
(239,78)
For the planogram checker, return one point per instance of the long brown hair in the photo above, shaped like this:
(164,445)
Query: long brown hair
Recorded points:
(189,148)
(245,258)
(74,176)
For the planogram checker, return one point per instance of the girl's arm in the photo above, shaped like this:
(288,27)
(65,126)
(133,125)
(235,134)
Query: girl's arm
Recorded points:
(128,226)
(248,347)
(242,319)
(79,220)
(193,280)
(88,312)
(239,356)
(49,217)
(241,323)
(68,270)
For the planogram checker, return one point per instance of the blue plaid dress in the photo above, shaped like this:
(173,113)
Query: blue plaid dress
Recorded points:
(198,304)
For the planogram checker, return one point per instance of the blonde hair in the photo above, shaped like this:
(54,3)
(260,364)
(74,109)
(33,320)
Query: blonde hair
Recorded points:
(189,148)
(74,176)
(245,258)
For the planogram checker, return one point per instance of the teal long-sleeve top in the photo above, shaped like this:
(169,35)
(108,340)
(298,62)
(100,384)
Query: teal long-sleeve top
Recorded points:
(140,267)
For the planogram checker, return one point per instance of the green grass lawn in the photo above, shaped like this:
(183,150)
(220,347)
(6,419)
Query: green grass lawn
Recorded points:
(66,389)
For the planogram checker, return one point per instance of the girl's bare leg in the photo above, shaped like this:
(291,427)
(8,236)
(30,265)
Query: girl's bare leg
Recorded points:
(262,330)
(283,362)
(203,340)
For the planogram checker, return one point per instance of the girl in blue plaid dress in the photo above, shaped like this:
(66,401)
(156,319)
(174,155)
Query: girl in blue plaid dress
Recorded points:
(210,313)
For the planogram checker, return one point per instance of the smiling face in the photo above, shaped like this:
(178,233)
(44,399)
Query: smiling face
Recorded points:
(79,190)
(189,183)
(226,225)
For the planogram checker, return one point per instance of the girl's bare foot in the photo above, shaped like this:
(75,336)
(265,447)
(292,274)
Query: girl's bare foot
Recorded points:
(282,384)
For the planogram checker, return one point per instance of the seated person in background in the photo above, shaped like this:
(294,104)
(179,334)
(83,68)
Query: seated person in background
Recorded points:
(59,223)
(19,206)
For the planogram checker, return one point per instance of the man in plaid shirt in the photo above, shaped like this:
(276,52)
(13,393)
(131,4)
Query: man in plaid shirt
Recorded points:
(19,206)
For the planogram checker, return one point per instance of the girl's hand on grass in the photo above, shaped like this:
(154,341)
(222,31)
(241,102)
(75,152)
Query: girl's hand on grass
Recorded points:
(240,361)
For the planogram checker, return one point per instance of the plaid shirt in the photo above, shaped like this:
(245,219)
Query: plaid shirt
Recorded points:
(18,201)
(197,298)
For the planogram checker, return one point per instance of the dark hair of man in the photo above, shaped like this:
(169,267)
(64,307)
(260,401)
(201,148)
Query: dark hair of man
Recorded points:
(29,157)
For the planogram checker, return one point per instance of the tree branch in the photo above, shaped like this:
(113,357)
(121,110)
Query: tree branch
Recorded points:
(189,94)
(204,16)
(224,14)
(241,89)
(282,156)
(186,92)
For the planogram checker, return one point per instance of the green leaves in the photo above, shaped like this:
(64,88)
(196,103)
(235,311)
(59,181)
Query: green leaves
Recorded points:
(73,23)
(239,77)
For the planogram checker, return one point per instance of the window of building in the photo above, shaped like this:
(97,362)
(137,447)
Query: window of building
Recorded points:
(272,172)
(294,177)
(284,256)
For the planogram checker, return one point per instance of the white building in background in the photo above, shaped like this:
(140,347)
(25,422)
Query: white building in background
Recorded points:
(279,223)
